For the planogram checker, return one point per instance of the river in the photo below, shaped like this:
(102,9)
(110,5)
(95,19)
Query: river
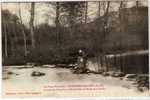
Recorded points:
(21,80)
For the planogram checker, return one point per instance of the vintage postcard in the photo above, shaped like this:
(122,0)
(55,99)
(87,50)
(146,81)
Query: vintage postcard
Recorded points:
(75,48)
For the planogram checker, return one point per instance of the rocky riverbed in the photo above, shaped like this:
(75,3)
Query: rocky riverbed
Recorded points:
(16,79)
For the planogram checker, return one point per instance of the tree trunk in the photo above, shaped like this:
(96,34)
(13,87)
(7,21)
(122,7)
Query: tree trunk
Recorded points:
(122,29)
(107,10)
(86,10)
(106,27)
(99,9)
(72,23)
(57,24)
(137,4)
(25,43)
(12,40)
(23,33)
(32,24)
(5,32)
(14,31)
(136,14)
(120,7)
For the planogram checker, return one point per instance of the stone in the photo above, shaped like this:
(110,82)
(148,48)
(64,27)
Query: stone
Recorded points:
(130,77)
(10,73)
(105,74)
(35,73)
(118,74)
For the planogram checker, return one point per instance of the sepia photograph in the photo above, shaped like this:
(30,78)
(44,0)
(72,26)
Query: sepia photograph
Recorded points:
(75,48)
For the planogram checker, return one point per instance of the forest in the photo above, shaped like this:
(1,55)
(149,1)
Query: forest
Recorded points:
(116,28)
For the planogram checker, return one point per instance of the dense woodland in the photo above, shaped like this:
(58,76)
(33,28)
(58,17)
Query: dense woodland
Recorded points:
(110,32)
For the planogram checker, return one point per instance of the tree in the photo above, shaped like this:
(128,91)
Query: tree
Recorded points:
(5,32)
(106,4)
(106,13)
(9,23)
(138,3)
(31,23)
(57,23)
(74,12)
(86,11)
(13,32)
(122,14)
(23,32)
(99,8)
(6,16)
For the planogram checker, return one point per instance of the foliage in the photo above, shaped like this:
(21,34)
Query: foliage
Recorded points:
(90,37)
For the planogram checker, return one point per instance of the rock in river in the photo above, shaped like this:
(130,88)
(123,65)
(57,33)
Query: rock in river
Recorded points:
(35,73)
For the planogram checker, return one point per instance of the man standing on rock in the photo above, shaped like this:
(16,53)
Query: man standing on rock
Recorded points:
(82,60)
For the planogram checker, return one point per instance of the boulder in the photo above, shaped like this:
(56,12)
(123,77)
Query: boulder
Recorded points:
(35,73)
(12,73)
(118,74)
(105,74)
(130,77)
(142,82)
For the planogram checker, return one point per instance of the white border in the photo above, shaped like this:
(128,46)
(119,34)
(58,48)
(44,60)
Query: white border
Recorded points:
(61,0)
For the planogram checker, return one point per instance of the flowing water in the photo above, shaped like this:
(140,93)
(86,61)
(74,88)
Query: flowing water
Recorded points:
(16,79)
